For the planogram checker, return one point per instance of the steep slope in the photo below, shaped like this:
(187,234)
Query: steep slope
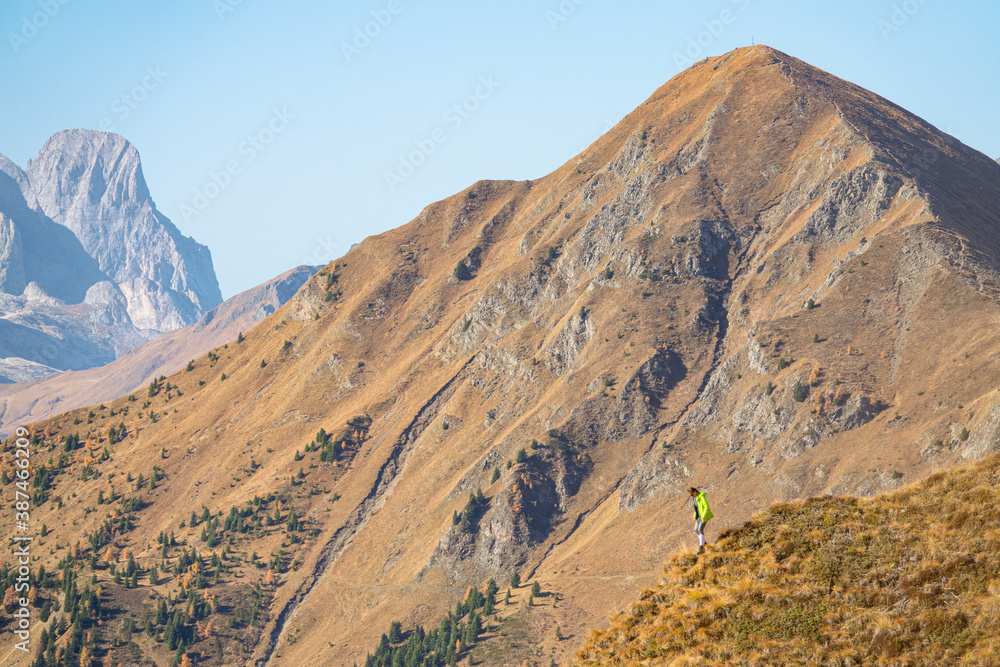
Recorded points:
(88,267)
(909,577)
(92,183)
(33,401)
(36,249)
(765,281)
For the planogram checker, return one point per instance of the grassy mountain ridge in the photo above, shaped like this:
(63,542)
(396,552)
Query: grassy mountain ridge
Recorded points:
(740,286)
(905,578)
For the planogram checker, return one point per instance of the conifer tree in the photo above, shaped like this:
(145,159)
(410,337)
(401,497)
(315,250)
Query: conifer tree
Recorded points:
(161,613)
(799,392)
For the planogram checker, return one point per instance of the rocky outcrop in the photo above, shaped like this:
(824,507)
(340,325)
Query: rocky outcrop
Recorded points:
(33,248)
(88,267)
(645,391)
(569,344)
(500,539)
(11,257)
(92,184)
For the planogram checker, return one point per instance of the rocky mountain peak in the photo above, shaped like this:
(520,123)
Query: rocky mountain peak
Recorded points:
(89,267)
(89,171)
(766,282)
(91,182)
(14,186)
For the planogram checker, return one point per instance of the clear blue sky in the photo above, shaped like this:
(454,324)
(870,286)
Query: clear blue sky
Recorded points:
(197,78)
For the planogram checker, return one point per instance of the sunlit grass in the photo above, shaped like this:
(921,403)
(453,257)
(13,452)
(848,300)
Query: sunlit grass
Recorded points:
(908,578)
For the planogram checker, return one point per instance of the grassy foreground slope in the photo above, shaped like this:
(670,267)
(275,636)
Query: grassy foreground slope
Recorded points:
(905,578)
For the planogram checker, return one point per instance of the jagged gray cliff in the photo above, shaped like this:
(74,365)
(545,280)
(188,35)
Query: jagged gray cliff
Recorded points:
(88,267)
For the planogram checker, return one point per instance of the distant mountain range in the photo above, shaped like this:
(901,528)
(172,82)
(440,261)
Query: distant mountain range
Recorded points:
(31,401)
(89,268)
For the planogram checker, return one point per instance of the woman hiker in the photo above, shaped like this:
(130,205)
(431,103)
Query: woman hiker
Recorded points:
(702,513)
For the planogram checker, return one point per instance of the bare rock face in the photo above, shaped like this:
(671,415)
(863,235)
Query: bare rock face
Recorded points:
(15,369)
(34,248)
(11,257)
(92,184)
(88,267)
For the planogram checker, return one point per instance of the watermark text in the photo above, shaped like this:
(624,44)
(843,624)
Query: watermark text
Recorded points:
(453,118)
(698,43)
(901,14)
(247,151)
(364,34)
(562,12)
(31,25)
(22,542)
(123,105)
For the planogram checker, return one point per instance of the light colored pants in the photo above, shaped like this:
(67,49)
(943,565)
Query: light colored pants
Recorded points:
(699,529)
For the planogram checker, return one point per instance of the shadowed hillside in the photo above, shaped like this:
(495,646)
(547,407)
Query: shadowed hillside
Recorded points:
(764,281)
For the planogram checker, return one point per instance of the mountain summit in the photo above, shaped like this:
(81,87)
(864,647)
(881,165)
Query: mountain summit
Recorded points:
(83,251)
(765,282)
(92,184)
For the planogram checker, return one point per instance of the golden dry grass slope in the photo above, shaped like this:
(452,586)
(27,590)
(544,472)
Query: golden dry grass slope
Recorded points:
(637,322)
(906,578)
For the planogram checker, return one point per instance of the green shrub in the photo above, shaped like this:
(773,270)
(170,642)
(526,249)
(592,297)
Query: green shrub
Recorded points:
(799,392)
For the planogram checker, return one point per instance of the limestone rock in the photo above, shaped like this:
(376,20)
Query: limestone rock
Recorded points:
(88,267)
(92,184)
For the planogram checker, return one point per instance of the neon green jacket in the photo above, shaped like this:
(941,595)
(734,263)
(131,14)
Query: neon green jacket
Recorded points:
(701,505)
